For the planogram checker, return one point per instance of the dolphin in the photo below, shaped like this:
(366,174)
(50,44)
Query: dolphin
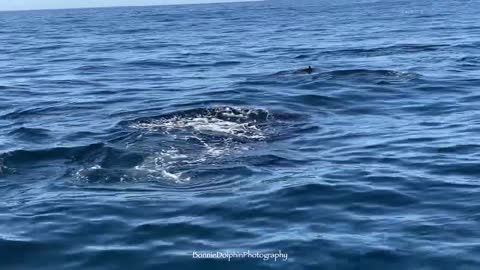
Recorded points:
(307,70)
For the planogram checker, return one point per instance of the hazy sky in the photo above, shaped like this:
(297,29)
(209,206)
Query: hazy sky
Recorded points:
(48,4)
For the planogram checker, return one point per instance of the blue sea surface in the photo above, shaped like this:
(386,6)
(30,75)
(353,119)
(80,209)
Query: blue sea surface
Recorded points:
(137,137)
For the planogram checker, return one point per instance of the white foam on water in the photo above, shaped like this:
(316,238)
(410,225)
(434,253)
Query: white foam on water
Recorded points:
(216,132)
(203,125)
(83,172)
(224,121)
(161,165)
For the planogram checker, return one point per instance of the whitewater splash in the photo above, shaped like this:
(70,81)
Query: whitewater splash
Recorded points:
(224,122)
(199,138)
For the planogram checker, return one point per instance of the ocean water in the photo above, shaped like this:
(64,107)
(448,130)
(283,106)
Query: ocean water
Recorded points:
(135,138)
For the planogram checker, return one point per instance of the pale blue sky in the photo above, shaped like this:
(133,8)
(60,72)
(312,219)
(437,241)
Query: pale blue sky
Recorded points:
(50,4)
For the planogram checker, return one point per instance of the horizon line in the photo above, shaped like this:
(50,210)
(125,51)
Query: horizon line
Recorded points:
(133,6)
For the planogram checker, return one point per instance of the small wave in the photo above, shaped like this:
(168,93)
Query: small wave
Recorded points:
(95,163)
(319,100)
(18,157)
(132,31)
(355,74)
(30,134)
(151,63)
(367,75)
(91,68)
(387,50)
(25,70)
(98,174)
(469,60)
(39,49)
(19,113)
(148,63)
(303,56)
(226,63)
